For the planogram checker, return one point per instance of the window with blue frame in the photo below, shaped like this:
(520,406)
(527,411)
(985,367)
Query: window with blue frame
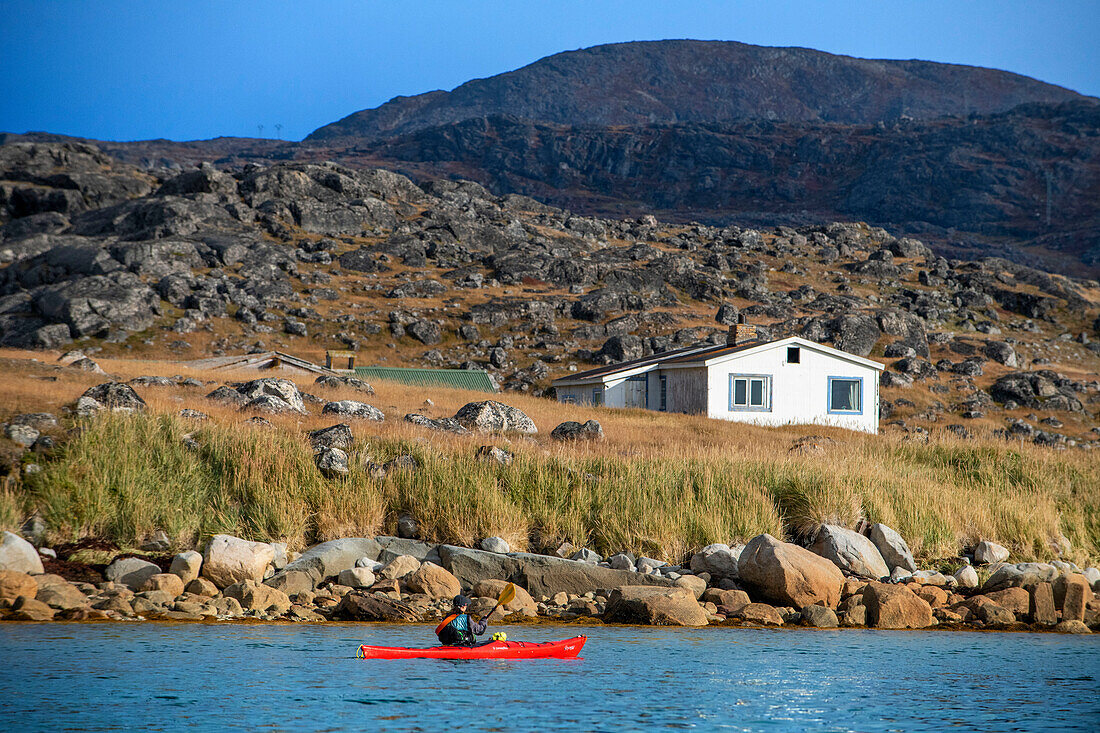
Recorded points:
(846,395)
(750,392)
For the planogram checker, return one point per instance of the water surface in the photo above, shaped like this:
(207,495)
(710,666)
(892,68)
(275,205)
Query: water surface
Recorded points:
(152,676)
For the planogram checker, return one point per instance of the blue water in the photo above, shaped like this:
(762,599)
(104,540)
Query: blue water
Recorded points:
(146,676)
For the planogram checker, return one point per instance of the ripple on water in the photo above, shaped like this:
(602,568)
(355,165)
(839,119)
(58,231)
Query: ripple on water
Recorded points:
(224,677)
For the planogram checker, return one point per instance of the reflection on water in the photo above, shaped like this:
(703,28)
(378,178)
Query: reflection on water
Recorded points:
(215,677)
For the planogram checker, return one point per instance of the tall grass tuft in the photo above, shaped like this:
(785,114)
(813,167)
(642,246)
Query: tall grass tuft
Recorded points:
(122,477)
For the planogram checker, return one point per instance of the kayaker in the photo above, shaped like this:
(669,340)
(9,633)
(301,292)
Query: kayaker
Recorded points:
(458,629)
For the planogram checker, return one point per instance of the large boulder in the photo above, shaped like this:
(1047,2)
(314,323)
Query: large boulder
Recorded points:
(332,462)
(170,583)
(131,572)
(328,559)
(58,593)
(228,560)
(641,604)
(400,567)
(490,416)
(895,607)
(113,396)
(255,596)
(18,555)
(1074,593)
(186,565)
(433,581)
(358,606)
(850,551)
(14,583)
(335,436)
(892,547)
(1020,575)
(271,394)
(789,574)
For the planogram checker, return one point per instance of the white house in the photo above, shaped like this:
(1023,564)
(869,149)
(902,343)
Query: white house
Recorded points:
(791,381)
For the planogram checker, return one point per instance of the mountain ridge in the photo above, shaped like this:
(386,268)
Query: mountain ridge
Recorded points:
(674,81)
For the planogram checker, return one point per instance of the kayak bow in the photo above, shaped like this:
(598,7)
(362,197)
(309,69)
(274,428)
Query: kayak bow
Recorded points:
(565,649)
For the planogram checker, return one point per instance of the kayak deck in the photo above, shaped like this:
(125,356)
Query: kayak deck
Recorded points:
(565,649)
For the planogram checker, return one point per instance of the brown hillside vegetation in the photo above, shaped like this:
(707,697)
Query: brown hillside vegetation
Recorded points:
(658,484)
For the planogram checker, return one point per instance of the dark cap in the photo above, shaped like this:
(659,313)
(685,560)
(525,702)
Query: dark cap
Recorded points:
(461,600)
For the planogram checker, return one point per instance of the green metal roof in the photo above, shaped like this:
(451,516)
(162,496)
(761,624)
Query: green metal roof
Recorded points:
(476,380)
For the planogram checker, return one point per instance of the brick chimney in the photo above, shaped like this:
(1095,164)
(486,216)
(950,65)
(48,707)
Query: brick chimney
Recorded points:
(741,332)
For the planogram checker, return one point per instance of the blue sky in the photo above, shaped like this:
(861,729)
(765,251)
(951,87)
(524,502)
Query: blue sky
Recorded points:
(193,69)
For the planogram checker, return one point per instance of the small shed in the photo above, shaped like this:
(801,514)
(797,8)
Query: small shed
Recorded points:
(790,381)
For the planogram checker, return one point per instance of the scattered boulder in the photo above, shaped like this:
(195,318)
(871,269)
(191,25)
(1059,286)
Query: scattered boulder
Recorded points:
(254,596)
(892,548)
(575,431)
(334,436)
(718,559)
(1041,608)
(202,587)
(1020,574)
(23,435)
(759,613)
(331,462)
(334,381)
(131,572)
(789,574)
(692,583)
(654,606)
(495,544)
(18,555)
(357,578)
(113,396)
(1074,592)
(490,416)
(895,607)
(168,582)
(282,390)
(820,617)
(351,408)
(401,566)
(850,551)
(228,560)
(432,580)
(967,577)
(443,424)
(28,609)
(186,565)
(358,606)
(493,454)
(14,583)
(987,553)
(328,559)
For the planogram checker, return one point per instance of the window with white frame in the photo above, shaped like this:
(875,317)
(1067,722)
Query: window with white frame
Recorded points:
(846,395)
(750,392)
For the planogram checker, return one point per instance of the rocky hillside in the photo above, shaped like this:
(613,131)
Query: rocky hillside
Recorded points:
(708,82)
(303,257)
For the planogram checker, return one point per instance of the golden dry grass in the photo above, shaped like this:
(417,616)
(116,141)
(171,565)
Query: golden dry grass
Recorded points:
(658,484)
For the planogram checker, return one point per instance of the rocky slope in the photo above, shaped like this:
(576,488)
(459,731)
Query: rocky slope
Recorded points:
(669,82)
(312,256)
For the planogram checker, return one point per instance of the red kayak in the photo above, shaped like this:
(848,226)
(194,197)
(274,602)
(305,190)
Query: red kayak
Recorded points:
(566,649)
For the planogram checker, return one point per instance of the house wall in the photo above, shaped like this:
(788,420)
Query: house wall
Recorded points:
(687,390)
(799,392)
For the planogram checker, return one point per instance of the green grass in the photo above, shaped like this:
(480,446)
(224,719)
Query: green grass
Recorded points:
(122,477)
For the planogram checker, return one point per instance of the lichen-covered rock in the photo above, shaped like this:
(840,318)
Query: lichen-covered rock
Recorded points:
(331,462)
(490,416)
(113,396)
(442,424)
(575,431)
(351,408)
(335,436)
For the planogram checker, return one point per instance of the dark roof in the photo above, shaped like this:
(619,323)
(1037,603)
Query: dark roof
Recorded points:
(475,380)
(686,353)
(716,351)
